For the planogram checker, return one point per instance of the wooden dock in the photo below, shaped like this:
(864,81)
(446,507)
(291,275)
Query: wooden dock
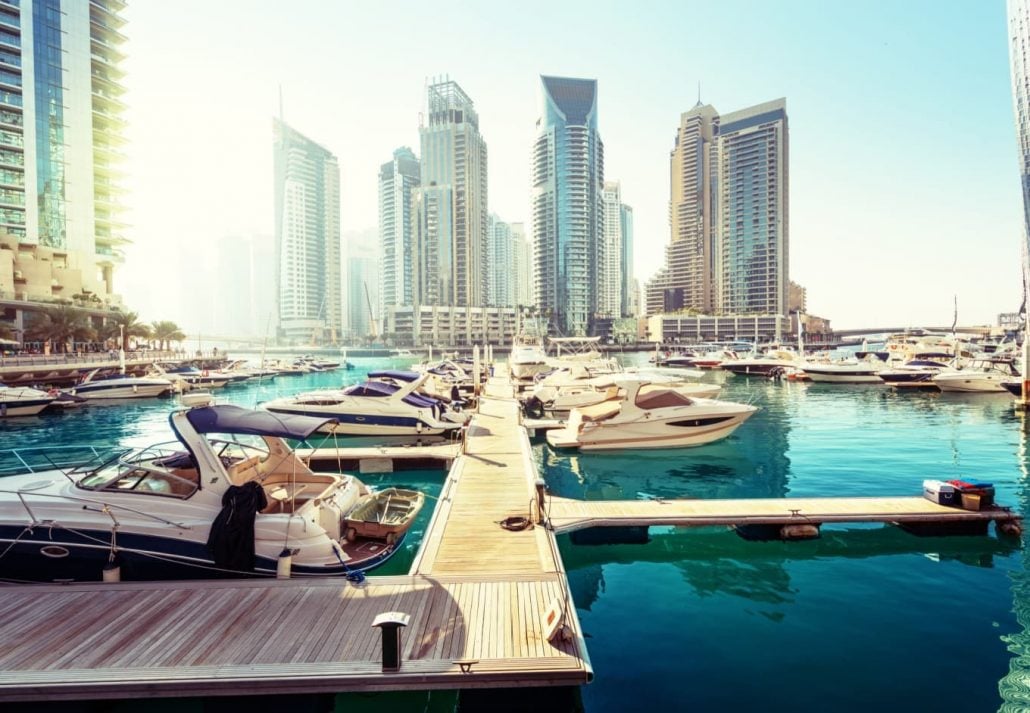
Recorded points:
(478,596)
(566,515)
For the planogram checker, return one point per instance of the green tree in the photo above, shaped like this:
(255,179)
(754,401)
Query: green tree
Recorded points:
(59,325)
(165,332)
(129,322)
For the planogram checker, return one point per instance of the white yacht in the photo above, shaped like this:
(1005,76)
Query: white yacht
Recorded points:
(22,401)
(980,376)
(528,356)
(647,415)
(764,364)
(120,386)
(846,371)
(388,404)
(558,399)
(185,509)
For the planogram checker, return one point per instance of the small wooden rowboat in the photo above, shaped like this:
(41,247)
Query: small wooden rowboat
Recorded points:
(383,515)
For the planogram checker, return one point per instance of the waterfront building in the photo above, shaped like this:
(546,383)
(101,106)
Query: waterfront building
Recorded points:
(654,292)
(1019,54)
(501,259)
(797,298)
(523,266)
(697,328)
(752,260)
(444,325)
(399,179)
(451,203)
(690,255)
(634,299)
(364,301)
(568,217)
(728,213)
(307,238)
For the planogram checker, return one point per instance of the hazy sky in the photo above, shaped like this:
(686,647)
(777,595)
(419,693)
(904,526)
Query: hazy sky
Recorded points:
(904,187)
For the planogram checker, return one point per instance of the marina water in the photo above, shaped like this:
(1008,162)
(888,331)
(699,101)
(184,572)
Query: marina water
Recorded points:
(866,617)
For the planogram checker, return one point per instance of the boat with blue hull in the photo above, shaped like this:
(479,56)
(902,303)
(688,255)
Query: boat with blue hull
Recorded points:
(389,403)
(186,509)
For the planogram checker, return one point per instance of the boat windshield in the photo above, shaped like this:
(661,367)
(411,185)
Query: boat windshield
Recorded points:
(156,470)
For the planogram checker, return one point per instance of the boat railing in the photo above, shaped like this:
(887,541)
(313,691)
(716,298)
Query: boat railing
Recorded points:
(90,504)
(68,459)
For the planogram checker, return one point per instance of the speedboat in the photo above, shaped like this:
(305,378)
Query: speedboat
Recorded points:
(646,415)
(229,497)
(22,401)
(1014,387)
(120,386)
(773,361)
(918,370)
(557,400)
(387,404)
(981,376)
(849,371)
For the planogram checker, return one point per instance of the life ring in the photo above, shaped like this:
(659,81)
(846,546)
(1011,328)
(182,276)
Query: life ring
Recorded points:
(533,407)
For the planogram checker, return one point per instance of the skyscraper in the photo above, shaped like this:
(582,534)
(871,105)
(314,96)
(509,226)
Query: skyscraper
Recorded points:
(451,205)
(1019,54)
(627,306)
(523,266)
(728,214)
(398,181)
(501,258)
(568,217)
(609,298)
(307,238)
(752,260)
(61,125)
(692,207)
(362,276)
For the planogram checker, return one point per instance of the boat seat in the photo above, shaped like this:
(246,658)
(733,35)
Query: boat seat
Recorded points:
(244,470)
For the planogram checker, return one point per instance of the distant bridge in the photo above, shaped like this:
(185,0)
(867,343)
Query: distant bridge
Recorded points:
(865,331)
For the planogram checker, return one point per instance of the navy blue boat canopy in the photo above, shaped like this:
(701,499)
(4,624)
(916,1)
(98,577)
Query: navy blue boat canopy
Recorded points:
(234,419)
(398,374)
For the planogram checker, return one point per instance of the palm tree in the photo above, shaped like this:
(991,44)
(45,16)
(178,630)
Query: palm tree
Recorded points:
(166,332)
(108,333)
(6,331)
(129,326)
(58,325)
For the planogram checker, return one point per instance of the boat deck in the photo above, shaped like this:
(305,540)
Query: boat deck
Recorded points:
(382,459)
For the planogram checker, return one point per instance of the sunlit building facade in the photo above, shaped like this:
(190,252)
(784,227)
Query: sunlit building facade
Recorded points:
(568,215)
(307,238)
(398,182)
(451,205)
(61,130)
(1019,53)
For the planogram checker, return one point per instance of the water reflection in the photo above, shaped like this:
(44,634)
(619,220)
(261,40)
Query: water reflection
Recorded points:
(1015,686)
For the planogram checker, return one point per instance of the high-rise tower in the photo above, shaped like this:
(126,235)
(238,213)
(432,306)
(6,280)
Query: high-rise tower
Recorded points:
(752,259)
(398,181)
(568,216)
(61,127)
(1019,53)
(451,204)
(307,238)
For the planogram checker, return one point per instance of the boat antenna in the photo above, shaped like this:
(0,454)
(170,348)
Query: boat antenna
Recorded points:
(954,319)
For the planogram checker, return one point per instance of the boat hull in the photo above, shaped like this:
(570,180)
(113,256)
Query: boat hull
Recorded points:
(972,384)
(348,424)
(11,409)
(827,377)
(133,391)
(646,435)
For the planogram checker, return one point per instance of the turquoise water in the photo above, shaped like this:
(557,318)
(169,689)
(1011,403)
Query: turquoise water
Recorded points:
(865,618)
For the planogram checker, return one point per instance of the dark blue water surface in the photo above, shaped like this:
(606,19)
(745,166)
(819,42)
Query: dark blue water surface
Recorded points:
(866,618)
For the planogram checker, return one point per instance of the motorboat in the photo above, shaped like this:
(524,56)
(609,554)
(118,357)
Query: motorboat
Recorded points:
(645,415)
(185,509)
(1014,387)
(772,361)
(919,370)
(120,386)
(714,359)
(528,356)
(23,401)
(556,401)
(389,403)
(980,376)
(846,371)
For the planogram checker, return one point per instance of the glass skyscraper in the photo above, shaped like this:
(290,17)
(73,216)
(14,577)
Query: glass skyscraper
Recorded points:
(451,204)
(398,182)
(307,238)
(568,215)
(1019,53)
(61,126)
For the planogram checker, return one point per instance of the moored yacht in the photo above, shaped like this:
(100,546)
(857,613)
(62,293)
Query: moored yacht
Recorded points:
(388,404)
(649,416)
(981,376)
(187,509)
(849,371)
(120,386)
(762,365)
(558,400)
(22,401)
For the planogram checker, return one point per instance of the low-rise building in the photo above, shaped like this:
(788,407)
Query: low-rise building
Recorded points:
(694,328)
(443,326)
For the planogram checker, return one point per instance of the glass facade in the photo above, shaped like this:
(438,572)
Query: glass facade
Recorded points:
(49,94)
(1019,53)
(398,181)
(568,215)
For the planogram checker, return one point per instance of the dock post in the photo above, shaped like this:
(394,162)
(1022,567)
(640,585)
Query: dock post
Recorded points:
(391,623)
(540,492)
